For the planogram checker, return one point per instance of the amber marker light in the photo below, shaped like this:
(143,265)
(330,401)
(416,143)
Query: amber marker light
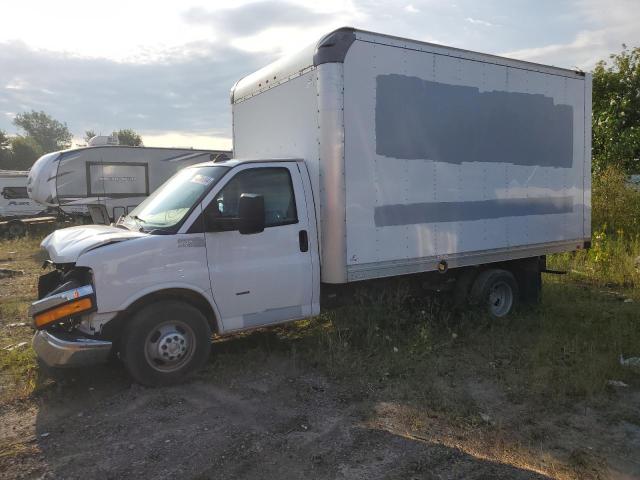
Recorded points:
(66,310)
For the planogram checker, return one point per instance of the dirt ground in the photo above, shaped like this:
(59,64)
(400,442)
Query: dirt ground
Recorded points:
(260,411)
(268,421)
(255,414)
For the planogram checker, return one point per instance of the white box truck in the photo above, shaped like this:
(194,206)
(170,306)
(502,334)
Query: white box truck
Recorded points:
(115,177)
(364,156)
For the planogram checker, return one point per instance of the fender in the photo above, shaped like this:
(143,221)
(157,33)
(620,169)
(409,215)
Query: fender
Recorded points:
(173,289)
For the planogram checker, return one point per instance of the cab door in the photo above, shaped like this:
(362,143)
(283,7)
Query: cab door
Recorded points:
(260,278)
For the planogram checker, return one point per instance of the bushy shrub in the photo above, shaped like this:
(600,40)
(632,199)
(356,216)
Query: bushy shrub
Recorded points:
(615,203)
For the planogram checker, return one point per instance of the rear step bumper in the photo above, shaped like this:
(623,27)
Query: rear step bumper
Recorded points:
(66,350)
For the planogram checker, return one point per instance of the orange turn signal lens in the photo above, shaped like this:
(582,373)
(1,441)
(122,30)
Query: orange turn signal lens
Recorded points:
(66,310)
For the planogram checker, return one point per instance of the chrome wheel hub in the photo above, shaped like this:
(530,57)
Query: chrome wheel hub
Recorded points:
(172,347)
(169,346)
(500,299)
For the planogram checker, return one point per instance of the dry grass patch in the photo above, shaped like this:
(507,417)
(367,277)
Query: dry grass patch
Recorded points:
(18,370)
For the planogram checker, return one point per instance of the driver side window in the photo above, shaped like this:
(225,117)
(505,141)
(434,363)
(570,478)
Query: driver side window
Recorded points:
(274,184)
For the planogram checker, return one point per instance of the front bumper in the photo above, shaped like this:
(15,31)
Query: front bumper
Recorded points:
(57,300)
(67,350)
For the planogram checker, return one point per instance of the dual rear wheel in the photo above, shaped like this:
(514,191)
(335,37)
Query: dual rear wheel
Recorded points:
(496,290)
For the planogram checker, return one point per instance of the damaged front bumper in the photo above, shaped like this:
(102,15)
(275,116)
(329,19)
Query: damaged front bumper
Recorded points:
(58,341)
(70,350)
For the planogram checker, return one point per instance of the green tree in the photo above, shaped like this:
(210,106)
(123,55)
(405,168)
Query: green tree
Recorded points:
(24,151)
(4,140)
(127,136)
(47,132)
(5,150)
(616,112)
(88,135)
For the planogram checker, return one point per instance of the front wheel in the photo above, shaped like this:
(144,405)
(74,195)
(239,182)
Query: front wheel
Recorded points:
(165,342)
(498,290)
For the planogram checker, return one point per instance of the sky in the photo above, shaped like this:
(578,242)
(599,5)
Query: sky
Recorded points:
(165,68)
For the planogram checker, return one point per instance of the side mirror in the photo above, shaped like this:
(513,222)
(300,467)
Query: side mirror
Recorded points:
(251,213)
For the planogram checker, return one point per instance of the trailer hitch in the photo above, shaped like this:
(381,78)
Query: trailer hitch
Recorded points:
(553,272)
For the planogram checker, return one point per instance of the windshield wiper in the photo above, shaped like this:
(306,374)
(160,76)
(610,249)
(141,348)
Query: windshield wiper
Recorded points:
(139,221)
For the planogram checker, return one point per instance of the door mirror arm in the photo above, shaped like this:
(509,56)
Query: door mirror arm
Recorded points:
(220,224)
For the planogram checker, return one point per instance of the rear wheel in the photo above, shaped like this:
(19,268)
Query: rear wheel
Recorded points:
(165,342)
(497,290)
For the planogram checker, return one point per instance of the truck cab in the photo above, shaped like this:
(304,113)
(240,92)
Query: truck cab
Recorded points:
(219,248)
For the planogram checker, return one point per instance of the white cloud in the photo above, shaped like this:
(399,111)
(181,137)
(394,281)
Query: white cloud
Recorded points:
(165,68)
(187,94)
(215,141)
(476,21)
(112,30)
(275,26)
(611,25)
(277,41)
(144,31)
(15,85)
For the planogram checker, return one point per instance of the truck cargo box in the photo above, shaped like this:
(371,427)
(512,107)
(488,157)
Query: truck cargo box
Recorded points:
(422,155)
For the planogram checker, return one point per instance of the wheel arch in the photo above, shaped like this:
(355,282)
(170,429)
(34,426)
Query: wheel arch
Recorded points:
(113,329)
(527,272)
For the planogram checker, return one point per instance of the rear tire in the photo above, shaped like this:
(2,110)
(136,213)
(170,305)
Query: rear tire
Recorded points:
(165,342)
(497,290)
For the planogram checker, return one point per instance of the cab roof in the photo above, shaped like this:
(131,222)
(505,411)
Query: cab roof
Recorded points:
(233,162)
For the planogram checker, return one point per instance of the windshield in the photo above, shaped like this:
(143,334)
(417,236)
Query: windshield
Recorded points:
(168,205)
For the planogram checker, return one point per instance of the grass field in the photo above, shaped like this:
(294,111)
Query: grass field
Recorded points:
(17,363)
(458,366)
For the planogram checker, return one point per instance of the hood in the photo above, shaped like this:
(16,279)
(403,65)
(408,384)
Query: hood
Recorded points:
(66,245)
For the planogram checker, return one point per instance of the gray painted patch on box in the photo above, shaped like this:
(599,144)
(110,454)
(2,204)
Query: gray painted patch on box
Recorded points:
(420,119)
(440,212)
(272,315)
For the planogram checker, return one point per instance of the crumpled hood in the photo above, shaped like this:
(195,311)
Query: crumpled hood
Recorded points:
(67,244)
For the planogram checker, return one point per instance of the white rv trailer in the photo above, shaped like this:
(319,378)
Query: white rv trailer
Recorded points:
(118,177)
(364,156)
(14,200)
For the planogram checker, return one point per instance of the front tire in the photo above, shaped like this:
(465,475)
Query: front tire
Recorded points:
(165,342)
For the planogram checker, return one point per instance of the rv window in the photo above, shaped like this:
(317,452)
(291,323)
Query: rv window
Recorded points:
(14,192)
(274,184)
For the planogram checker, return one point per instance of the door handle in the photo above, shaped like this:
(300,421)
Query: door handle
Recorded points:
(303,238)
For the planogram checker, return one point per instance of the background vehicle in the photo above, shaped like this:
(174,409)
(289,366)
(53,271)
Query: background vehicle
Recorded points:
(14,200)
(15,205)
(360,158)
(118,177)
